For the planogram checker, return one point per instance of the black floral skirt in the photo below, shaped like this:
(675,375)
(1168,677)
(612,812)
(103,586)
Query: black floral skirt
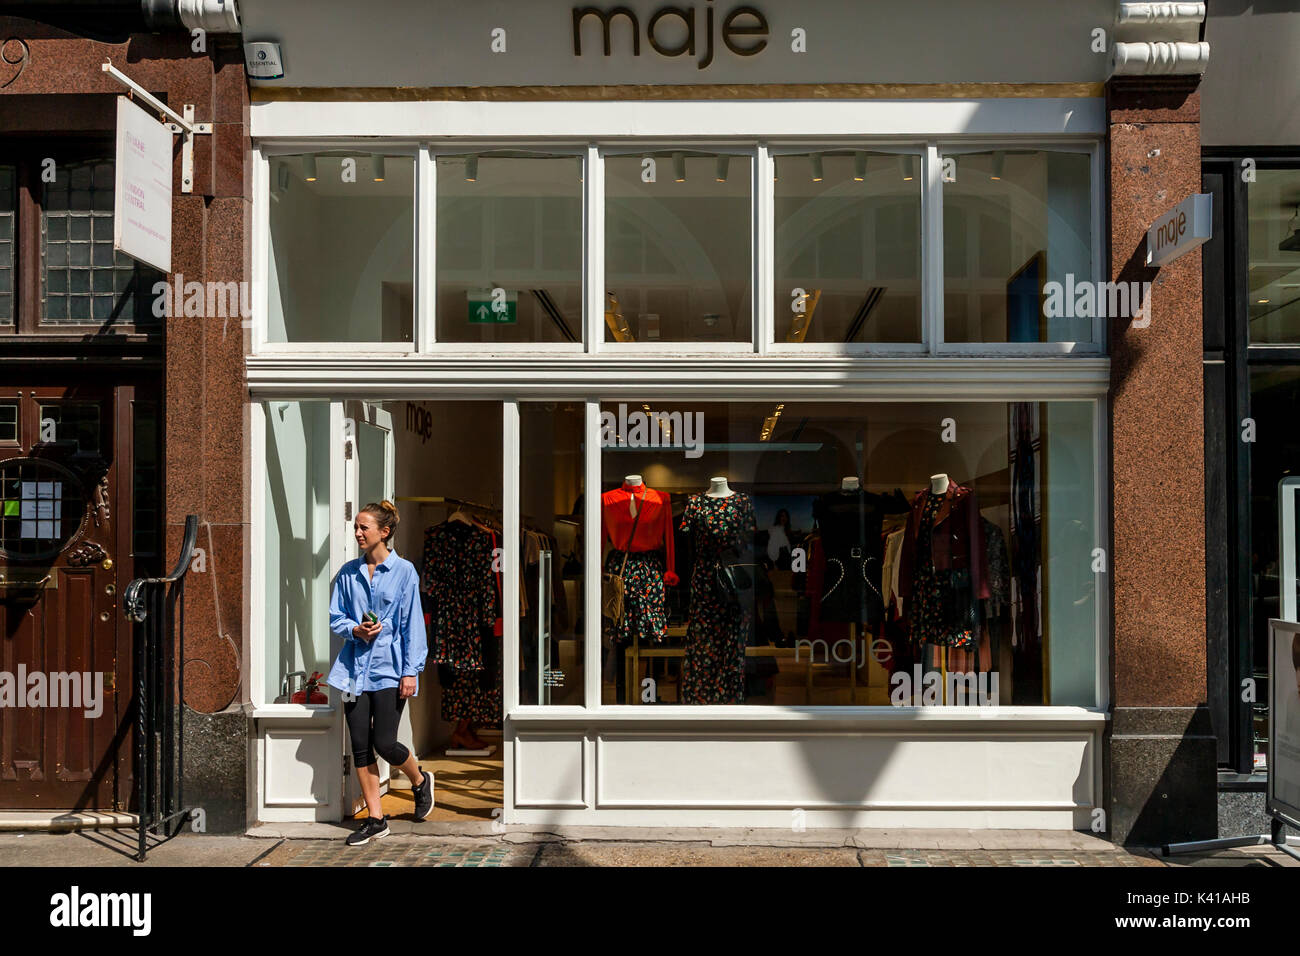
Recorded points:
(644,617)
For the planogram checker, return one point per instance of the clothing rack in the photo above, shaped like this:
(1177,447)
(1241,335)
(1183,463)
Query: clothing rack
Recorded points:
(459,502)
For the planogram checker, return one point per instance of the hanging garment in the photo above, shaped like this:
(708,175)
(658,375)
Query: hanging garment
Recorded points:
(721,530)
(850,526)
(944,570)
(1024,531)
(893,552)
(461,596)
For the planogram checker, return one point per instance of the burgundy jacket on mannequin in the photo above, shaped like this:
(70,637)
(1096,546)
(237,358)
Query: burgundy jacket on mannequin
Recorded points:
(956,540)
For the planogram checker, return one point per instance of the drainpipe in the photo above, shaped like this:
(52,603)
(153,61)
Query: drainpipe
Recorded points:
(100,18)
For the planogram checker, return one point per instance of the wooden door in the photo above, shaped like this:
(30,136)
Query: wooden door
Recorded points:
(61,530)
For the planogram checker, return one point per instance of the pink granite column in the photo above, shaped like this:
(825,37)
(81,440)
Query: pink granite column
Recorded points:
(1162,753)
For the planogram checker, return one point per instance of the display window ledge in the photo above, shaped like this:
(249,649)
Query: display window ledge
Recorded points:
(854,717)
(297,712)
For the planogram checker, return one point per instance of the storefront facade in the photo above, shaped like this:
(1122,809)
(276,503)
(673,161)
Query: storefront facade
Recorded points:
(794,251)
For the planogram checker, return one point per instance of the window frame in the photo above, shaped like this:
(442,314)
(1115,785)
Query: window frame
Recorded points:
(762,243)
(26,155)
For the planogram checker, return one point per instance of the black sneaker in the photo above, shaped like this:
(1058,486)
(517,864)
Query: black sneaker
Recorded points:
(372,829)
(424,797)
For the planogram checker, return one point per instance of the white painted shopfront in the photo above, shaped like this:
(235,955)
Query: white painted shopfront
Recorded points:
(837,287)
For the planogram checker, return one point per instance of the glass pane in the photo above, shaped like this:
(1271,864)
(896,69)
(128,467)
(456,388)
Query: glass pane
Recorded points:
(1274,455)
(342,261)
(772,560)
(9,421)
(1273,203)
(297,542)
(75,424)
(509,248)
(848,247)
(1017,239)
(42,505)
(552,502)
(74,234)
(678,243)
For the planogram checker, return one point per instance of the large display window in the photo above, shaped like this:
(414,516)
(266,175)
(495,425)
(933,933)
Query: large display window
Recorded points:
(808,553)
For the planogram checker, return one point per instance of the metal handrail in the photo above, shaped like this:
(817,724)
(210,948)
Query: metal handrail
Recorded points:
(159,647)
(134,606)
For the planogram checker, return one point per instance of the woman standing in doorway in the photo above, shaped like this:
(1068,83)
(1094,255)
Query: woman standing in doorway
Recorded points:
(375,608)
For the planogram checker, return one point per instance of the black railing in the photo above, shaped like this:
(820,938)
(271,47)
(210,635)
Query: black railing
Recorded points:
(156,608)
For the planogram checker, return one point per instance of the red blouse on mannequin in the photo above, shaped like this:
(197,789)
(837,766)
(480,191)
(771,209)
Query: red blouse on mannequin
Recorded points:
(653,532)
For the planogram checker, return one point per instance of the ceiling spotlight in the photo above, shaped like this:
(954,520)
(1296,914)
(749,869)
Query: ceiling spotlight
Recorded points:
(905,167)
(377,164)
(309,167)
(999,160)
(859,166)
(721,170)
(817,174)
(679,167)
(471,168)
(1261,301)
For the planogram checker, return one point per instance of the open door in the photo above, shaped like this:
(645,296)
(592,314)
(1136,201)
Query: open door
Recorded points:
(367,461)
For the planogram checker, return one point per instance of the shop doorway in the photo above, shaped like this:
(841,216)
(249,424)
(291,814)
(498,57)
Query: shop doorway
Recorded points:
(441,464)
(72,462)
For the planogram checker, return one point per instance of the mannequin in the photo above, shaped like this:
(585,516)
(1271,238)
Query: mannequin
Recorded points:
(718,488)
(633,482)
(850,483)
(939,484)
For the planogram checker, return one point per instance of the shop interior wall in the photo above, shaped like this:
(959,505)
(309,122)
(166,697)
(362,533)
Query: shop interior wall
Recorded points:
(457,455)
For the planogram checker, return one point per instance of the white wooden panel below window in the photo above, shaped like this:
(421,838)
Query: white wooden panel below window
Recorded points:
(884,772)
(295,769)
(548,772)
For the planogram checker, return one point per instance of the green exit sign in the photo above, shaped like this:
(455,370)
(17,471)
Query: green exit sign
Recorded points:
(492,306)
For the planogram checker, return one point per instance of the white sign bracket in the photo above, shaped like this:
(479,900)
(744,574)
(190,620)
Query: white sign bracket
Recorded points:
(182,125)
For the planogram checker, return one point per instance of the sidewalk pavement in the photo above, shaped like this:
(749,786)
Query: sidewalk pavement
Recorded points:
(475,844)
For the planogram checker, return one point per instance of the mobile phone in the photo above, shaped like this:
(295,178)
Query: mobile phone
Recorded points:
(371,617)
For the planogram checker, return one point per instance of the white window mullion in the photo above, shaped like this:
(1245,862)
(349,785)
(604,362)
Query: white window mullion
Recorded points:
(593,251)
(426,215)
(932,248)
(510,566)
(261,251)
(591,545)
(764,246)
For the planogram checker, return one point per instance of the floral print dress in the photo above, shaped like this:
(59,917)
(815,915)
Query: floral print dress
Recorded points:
(932,619)
(714,669)
(457,579)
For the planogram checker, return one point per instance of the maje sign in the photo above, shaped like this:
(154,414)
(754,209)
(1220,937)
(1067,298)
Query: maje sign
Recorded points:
(1182,228)
(743,31)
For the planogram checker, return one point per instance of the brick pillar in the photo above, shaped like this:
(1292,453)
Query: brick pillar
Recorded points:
(1162,777)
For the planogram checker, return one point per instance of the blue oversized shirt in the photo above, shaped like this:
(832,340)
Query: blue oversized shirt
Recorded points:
(400,648)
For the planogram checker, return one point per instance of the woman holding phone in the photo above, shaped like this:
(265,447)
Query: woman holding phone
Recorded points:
(375,607)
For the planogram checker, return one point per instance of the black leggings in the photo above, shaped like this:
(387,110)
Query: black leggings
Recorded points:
(385,708)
